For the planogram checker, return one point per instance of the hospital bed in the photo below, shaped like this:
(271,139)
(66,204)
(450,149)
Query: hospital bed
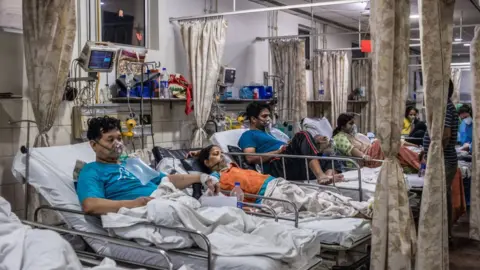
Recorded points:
(340,238)
(50,173)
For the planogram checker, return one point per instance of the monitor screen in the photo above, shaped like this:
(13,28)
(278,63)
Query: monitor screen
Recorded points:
(100,59)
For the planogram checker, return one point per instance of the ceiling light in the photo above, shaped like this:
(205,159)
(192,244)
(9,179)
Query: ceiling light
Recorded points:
(458,39)
(102,3)
(414,16)
(466,44)
(415,39)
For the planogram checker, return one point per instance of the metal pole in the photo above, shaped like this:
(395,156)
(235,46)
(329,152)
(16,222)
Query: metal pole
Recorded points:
(329,3)
(455,26)
(310,35)
(339,49)
(234,5)
(27,163)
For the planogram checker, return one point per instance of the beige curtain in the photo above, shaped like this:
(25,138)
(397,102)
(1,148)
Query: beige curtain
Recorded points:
(288,58)
(362,78)
(457,79)
(475,186)
(436,18)
(393,229)
(334,71)
(204,42)
(49,29)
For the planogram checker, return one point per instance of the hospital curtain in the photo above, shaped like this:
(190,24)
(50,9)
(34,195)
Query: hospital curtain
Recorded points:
(393,229)
(362,77)
(288,58)
(456,79)
(333,69)
(204,42)
(49,29)
(436,17)
(475,186)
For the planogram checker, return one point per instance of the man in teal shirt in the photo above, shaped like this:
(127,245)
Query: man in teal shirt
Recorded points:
(106,185)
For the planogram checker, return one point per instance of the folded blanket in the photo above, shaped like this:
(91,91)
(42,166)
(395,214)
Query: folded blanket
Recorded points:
(231,232)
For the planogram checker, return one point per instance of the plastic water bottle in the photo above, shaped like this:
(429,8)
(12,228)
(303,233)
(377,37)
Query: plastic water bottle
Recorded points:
(164,91)
(421,172)
(321,92)
(238,192)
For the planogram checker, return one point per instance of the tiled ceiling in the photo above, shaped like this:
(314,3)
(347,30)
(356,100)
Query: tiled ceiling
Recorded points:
(348,15)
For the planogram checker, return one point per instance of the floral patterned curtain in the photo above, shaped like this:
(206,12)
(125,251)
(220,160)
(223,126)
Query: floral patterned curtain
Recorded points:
(393,229)
(475,186)
(204,42)
(49,29)
(436,17)
(289,64)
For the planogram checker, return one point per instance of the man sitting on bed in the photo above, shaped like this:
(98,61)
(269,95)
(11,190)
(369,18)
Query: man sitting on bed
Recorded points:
(259,140)
(106,186)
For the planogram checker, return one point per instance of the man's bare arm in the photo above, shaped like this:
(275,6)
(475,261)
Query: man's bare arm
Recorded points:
(259,159)
(97,206)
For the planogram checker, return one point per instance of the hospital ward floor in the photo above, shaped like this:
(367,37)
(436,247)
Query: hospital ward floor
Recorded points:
(466,252)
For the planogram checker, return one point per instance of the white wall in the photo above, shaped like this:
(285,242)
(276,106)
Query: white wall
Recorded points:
(172,127)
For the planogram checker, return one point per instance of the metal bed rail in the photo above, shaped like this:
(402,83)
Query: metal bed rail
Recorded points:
(254,196)
(306,158)
(208,256)
(103,238)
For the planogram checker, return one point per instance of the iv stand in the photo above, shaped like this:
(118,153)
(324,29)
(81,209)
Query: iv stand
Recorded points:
(143,64)
(25,150)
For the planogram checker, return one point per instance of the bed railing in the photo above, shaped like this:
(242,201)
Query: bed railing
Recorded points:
(208,256)
(306,158)
(274,215)
(103,238)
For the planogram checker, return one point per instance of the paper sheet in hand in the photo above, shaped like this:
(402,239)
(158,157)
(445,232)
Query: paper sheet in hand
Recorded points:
(218,201)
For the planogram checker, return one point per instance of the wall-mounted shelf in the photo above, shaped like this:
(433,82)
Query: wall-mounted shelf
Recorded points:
(239,100)
(137,100)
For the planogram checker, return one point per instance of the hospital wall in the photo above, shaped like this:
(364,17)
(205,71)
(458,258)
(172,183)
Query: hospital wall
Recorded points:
(172,128)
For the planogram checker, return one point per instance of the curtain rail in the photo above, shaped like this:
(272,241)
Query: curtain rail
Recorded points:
(329,3)
(310,35)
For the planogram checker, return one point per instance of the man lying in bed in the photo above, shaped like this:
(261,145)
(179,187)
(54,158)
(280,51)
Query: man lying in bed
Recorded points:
(106,186)
(259,140)
(308,199)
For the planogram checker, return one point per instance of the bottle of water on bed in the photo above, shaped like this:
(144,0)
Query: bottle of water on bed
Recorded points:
(238,192)
(423,167)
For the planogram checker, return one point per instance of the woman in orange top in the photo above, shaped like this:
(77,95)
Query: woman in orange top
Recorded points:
(212,161)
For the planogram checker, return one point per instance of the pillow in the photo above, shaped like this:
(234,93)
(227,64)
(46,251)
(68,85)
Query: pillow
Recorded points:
(76,171)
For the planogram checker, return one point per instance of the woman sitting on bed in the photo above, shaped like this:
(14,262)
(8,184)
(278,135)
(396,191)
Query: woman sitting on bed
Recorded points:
(308,199)
(349,143)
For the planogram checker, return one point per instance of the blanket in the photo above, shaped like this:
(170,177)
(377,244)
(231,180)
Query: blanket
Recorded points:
(24,248)
(313,202)
(230,231)
(369,175)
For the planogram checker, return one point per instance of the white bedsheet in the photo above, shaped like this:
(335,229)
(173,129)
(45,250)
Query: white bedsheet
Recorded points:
(231,232)
(369,182)
(312,202)
(24,248)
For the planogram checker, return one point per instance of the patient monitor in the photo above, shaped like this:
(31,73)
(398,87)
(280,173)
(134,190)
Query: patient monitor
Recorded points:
(97,57)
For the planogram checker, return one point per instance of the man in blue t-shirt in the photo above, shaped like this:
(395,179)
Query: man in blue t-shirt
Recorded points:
(259,140)
(106,185)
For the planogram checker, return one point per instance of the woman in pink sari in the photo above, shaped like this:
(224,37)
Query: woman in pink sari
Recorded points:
(348,143)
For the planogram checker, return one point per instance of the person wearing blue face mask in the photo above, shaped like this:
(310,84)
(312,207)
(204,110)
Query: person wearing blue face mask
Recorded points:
(466,127)
(106,185)
(258,139)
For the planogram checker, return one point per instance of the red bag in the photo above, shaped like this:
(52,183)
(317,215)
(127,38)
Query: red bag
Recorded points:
(181,88)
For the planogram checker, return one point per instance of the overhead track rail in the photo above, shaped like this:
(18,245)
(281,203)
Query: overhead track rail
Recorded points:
(237,12)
